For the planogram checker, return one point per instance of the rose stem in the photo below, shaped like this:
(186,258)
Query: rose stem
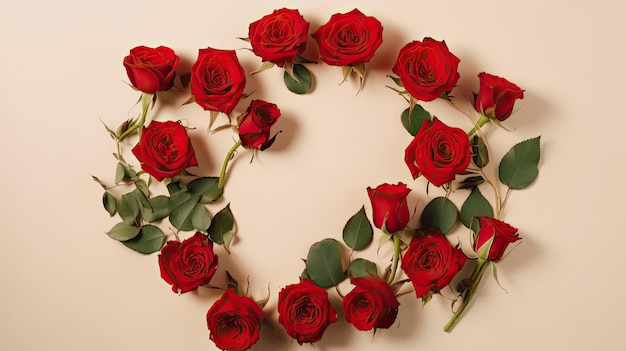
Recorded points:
(145,103)
(481,122)
(477,274)
(396,256)
(229,155)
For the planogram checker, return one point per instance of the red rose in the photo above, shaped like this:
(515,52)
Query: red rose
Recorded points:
(189,264)
(217,80)
(427,69)
(234,322)
(164,149)
(371,304)
(151,70)
(431,262)
(389,206)
(279,37)
(255,124)
(438,152)
(349,39)
(493,238)
(496,96)
(304,311)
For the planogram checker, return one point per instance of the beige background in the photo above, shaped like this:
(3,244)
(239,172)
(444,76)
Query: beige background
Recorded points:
(66,286)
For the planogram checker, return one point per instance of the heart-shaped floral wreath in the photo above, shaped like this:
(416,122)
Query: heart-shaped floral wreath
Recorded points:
(447,157)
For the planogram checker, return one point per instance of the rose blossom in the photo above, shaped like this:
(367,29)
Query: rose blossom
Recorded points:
(371,304)
(189,264)
(431,262)
(427,69)
(217,80)
(349,39)
(496,236)
(255,124)
(438,152)
(389,206)
(279,37)
(496,96)
(304,311)
(164,149)
(151,70)
(234,322)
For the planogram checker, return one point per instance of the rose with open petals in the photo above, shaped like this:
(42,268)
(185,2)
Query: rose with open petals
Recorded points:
(234,322)
(164,149)
(493,238)
(279,37)
(496,96)
(389,206)
(189,264)
(217,80)
(255,124)
(427,69)
(431,262)
(349,38)
(438,152)
(304,311)
(151,69)
(371,304)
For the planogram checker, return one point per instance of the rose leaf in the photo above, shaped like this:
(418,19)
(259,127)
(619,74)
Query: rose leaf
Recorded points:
(475,205)
(323,263)
(300,82)
(222,223)
(123,231)
(358,232)
(150,239)
(518,168)
(440,213)
(362,268)
(413,122)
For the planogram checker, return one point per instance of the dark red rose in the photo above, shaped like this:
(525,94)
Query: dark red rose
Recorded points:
(371,304)
(189,264)
(304,311)
(234,322)
(217,80)
(164,149)
(255,124)
(438,152)
(349,39)
(279,37)
(389,206)
(431,262)
(496,96)
(427,69)
(151,70)
(493,238)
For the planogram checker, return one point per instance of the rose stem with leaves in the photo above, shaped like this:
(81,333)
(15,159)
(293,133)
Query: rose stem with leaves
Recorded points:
(228,157)
(475,278)
(146,99)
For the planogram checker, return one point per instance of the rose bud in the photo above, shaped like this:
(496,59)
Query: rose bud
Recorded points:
(255,124)
(279,37)
(234,322)
(164,149)
(389,206)
(493,238)
(151,70)
(371,304)
(304,311)
(496,96)
(189,264)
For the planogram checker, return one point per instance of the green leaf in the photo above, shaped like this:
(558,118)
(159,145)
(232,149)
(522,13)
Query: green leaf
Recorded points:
(223,222)
(180,217)
(518,168)
(358,232)
(470,182)
(176,187)
(305,274)
(475,205)
(207,188)
(414,122)
(480,153)
(200,218)
(300,82)
(123,231)
(110,203)
(323,263)
(143,187)
(159,209)
(150,239)
(123,172)
(362,268)
(128,208)
(440,213)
